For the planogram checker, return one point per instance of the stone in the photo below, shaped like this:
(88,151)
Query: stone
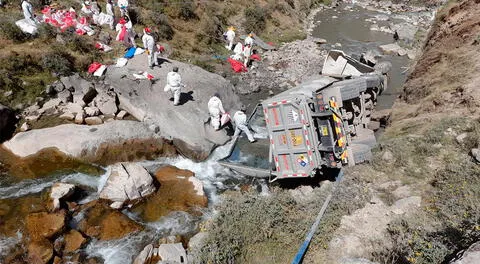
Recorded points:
(382,115)
(392,48)
(90,144)
(127,182)
(50,104)
(402,52)
(172,253)
(373,125)
(197,185)
(58,86)
(196,242)
(469,256)
(32,118)
(74,108)
(319,41)
(8,93)
(59,245)
(89,94)
(388,156)
(107,104)
(94,120)
(92,111)
(104,223)
(24,127)
(40,251)
(79,117)
(461,138)
(56,259)
(65,96)
(476,154)
(45,225)
(121,114)
(74,240)
(8,122)
(61,191)
(145,255)
(67,116)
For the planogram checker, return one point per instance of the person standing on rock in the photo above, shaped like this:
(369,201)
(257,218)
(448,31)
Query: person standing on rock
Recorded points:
(215,109)
(240,120)
(247,52)
(230,37)
(174,84)
(150,47)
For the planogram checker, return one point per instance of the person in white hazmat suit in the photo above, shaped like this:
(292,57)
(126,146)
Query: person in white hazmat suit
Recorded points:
(150,47)
(237,52)
(215,109)
(240,120)
(249,40)
(230,36)
(247,52)
(28,11)
(174,84)
(123,5)
(109,10)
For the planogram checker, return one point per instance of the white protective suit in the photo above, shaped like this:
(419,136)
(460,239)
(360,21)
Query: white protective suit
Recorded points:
(249,41)
(230,38)
(129,36)
(247,52)
(87,10)
(151,49)
(174,84)
(237,52)
(123,5)
(103,19)
(109,9)
(28,11)
(240,120)
(215,108)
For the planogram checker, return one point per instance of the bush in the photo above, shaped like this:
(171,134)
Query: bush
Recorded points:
(165,31)
(46,32)
(77,43)
(59,62)
(10,31)
(187,11)
(212,30)
(255,19)
(20,63)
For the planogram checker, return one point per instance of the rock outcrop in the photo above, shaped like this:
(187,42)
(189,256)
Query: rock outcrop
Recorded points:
(89,143)
(74,240)
(127,182)
(147,102)
(469,256)
(45,225)
(7,123)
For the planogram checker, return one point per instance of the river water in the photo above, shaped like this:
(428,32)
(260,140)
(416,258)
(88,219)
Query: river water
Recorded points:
(18,198)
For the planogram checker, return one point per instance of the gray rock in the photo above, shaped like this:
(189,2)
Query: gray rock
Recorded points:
(8,93)
(50,105)
(85,142)
(67,116)
(61,191)
(172,253)
(75,83)
(24,127)
(145,255)
(127,182)
(388,156)
(65,96)
(406,31)
(373,125)
(79,117)
(392,48)
(93,120)
(107,104)
(469,256)
(461,138)
(73,108)
(92,111)
(121,114)
(476,154)
(7,122)
(32,118)
(58,86)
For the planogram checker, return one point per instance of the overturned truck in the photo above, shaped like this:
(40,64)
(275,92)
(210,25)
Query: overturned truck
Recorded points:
(318,125)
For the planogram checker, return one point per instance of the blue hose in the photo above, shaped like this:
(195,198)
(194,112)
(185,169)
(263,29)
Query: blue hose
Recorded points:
(303,249)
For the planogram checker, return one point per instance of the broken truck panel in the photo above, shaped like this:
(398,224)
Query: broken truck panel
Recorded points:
(321,123)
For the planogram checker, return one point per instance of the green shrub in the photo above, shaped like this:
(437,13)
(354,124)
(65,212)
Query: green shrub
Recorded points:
(46,32)
(255,19)
(16,63)
(77,43)
(8,30)
(212,30)
(59,62)
(165,31)
(187,11)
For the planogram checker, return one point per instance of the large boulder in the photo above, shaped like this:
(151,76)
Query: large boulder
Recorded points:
(147,101)
(145,255)
(107,103)
(7,123)
(104,223)
(74,240)
(469,256)
(99,143)
(45,225)
(40,251)
(172,253)
(179,191)
(127,182)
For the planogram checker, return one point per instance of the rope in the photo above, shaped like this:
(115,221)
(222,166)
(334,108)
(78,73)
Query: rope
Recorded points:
(303,249)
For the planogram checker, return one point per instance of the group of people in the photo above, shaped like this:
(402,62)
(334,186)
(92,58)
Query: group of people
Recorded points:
(242,52)
(215,107)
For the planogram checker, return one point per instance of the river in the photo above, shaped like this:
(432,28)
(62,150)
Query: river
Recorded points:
(347,25)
